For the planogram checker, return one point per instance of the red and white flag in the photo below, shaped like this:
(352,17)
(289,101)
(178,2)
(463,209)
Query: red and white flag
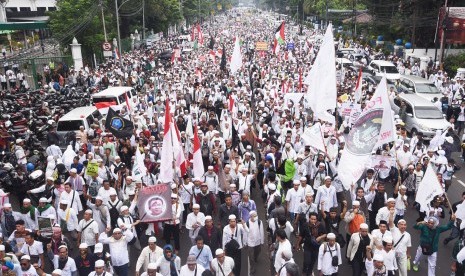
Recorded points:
(198,169)
(179,156)
(167,156)
(358,88)
(199,34)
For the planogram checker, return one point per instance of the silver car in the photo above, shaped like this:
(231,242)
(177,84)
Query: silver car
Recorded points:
(422,115)
(420,86)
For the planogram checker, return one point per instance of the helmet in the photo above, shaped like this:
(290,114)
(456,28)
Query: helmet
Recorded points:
(30,167)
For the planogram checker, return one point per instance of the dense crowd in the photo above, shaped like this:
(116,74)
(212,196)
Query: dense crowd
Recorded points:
(253,148)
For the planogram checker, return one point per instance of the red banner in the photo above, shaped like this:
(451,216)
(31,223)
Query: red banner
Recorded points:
(154,203)
(101,105)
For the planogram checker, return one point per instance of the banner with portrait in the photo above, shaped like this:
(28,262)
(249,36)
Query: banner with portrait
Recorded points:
(382,165)
(154,203)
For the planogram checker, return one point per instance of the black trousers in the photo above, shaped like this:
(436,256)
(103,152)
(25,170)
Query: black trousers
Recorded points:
(169,229)
(237,261)
(357,267)
(310,258)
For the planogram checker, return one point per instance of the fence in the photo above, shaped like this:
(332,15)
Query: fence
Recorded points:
(33,67)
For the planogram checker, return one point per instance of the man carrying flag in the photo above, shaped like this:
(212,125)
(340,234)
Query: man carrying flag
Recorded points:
(279,38)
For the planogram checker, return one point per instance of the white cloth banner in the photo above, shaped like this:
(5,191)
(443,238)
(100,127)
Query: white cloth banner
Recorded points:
(373,128)
(313,137)
(321,80)
(236,59)
(429,188)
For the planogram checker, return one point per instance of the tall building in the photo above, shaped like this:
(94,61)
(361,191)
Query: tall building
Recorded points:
(25,10)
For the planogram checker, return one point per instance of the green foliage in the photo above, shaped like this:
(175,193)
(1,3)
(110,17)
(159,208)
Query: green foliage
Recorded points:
(453,62)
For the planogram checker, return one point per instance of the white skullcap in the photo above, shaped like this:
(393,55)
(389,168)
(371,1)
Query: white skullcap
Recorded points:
(43,200)
(26,200)
(391,200)
(363,226)
(88,211)
(387,239)
(83,246)
(378,257)
(26,257)
(219,251)
(99,263)
(98,198)
(296,182)
(98,248)
(152,239)
(331,236)
(152,266)
(208,218)
(73,170)
(64,202)
(123,208)
(173,186)
(7,205)
(356,202)
(232,217)
(196,206)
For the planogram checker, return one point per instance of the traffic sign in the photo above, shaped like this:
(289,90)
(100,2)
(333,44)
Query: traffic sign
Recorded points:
(106,46)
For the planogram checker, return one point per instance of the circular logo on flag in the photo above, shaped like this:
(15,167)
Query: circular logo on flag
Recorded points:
(365,132)
(117,123)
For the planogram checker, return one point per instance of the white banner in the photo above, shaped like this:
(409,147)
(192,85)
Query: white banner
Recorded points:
(373,128)
(313,137)
(429,188)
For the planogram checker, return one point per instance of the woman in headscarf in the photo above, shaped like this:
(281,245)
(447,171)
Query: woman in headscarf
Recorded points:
(170,264)
(68,157)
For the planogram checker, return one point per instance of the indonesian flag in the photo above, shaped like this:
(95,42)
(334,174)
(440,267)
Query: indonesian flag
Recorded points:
(199,34)
(167,149)
(179,157)
(279,38)
(358,87)
(116,54)
(176,55)
(101,105)
(197,169)
(231,103)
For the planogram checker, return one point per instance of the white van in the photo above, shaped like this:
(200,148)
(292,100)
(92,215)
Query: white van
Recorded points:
(378,67)
(73,120)
(114,97)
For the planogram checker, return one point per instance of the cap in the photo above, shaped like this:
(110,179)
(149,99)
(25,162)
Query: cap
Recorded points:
(116,230)
(152,266)
(219,251)
(356,202)
(253,213)
(99,263)
(391,200)
(98,198)
(232,217)
(63,246)
(378,257)
(64,202)
(328,177)
(210,167)
(296,182)
(83,245)
(152,239)
(191,259)
(42,200)
(364,226)
(2,247)
(387,239)
(208,218)
(26,200)
(88,211)
(173,186)
(7,205)
(113,193)
(98,248)
(73,170)
(123,208)
(331,236)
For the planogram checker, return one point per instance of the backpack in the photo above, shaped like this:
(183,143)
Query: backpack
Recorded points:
(114,214)
(206,205)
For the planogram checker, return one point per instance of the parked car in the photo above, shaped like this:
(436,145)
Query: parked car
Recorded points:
(420,86)
(422,115)
(379,67)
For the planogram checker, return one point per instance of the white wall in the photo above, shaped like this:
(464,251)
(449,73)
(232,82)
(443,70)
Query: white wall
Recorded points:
(33,4)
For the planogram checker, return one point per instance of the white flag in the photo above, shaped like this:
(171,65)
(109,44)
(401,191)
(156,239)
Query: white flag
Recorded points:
(138,168)
(429,188)
(313,137)
(236,59)
(321,80)
(460,214)
(373,128)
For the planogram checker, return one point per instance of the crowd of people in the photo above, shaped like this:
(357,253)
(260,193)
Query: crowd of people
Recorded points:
(253,153)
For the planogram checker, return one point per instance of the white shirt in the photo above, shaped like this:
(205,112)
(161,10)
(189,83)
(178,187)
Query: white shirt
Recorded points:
(69,216)
(229,234)
(75,202)
(105,194)
(91,229)
(378,236)
(194,220)
(185,271)
(328,195)
(227,266)
(255,236)
(118,248)
(148,256)
(294,197)
(389,259)
(69,268)
(244,182)
(325,258)
(279,261)
(401,247)
(185,191)
(383,214)
(35,249)
(164,265)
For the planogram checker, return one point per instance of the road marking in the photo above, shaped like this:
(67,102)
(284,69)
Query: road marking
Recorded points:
(454,177)
(461,182)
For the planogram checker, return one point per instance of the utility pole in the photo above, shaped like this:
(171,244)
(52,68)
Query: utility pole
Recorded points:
(143,19)
(103,22)
(117,27)
(443,36)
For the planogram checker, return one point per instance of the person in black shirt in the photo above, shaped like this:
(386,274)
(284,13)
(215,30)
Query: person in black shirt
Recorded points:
(85,262)
(311,237)
(332,221)
(226,209)
(211,235)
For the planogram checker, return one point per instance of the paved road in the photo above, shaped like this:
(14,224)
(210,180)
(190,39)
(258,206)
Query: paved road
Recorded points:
(263,267)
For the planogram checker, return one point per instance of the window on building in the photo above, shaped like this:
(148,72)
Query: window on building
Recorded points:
(52,8)
(24,9)
(41,9)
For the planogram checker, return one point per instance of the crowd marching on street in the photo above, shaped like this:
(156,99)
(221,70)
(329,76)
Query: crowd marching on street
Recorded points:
(254,165)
